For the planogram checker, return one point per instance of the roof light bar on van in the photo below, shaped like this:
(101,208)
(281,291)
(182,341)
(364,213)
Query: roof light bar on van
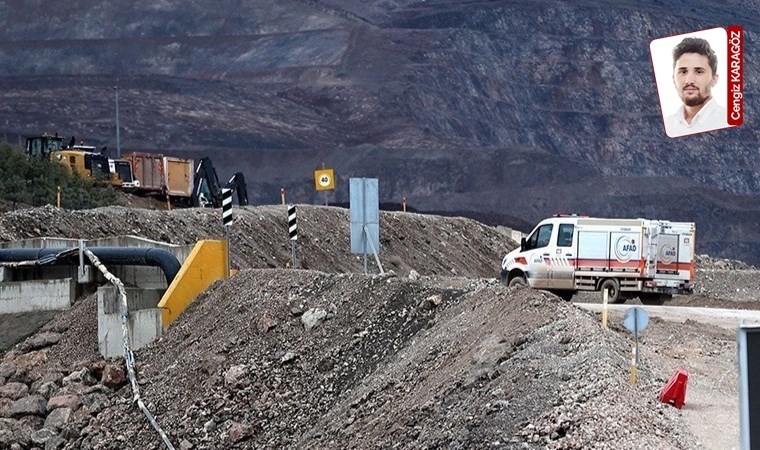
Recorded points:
(563,214)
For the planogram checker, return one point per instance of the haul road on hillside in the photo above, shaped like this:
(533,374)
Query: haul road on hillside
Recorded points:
(649,259)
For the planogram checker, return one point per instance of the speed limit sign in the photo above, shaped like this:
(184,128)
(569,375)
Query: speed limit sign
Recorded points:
(324,180)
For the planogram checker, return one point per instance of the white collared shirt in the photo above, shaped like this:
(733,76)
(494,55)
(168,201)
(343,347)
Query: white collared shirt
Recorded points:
(712,116)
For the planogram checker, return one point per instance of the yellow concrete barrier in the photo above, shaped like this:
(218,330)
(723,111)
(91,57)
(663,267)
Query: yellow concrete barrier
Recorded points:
(206,264)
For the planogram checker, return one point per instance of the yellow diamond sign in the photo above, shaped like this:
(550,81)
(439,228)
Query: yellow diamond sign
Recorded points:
(324,180)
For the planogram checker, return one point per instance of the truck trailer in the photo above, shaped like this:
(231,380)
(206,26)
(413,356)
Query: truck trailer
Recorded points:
(164,175)
(649,259)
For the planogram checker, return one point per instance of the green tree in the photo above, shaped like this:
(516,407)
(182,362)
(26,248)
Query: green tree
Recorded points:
(34,182)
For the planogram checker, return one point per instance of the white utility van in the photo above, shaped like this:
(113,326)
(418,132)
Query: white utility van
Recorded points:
(649,259)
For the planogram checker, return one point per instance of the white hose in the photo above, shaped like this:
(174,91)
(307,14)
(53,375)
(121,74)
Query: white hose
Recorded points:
(128,356)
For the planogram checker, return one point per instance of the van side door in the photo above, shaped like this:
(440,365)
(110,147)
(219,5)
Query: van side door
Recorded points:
(536,253)
(562,260)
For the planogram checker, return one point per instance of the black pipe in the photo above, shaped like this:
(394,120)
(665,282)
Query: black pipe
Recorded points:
(120,256)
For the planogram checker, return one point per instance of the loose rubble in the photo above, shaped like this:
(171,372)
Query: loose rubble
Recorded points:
(331,358)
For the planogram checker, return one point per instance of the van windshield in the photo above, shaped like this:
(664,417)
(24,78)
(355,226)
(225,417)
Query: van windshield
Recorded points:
(540,238)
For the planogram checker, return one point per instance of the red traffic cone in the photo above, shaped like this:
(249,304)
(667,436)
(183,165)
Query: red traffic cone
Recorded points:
(674,392)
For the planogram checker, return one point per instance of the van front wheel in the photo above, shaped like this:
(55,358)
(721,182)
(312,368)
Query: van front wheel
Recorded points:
(614,290)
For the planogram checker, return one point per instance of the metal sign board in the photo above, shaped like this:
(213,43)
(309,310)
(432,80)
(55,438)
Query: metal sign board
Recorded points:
(749,386)
(365,214)
(324,180)
(636,319)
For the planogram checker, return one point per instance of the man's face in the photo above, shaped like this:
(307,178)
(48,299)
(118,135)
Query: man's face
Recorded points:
(694,78)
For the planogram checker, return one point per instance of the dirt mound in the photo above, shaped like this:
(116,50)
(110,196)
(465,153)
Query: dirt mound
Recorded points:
(330,358)
(707,262)
(430,245)
(729,281)
(283,358)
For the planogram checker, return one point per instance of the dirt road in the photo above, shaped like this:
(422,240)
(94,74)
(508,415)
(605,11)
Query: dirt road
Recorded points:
(701,341)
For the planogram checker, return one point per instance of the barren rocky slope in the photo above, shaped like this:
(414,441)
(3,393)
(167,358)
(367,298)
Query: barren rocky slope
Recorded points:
(455,105)
(260,236)
(330,358)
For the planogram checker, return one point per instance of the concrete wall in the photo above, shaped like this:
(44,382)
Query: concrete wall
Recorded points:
(40,295)
(515,235)
(44,242)
(143,316)
(140,276)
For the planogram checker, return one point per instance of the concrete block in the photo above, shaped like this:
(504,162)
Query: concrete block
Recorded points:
(143,317)
(137,298)
(144,327)
(85,274)
(5,274)
(41,295)
(140,276)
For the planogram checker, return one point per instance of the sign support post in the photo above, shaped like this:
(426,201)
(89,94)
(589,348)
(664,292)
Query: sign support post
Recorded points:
(227,238)
(293,234)
(636,320)
(227,221)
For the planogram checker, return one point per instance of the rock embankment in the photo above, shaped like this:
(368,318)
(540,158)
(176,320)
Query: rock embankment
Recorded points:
(292,358)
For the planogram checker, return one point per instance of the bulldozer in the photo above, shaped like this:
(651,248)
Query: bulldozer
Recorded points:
(82,159)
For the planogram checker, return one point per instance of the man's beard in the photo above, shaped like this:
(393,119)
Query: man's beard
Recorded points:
(697,100)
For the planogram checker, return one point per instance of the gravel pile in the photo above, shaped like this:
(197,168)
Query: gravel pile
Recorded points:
(728,280)
(283,358)
(435,354)
(706,262)
(430,245)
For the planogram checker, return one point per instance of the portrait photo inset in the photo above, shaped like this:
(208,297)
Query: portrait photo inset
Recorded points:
(691,81)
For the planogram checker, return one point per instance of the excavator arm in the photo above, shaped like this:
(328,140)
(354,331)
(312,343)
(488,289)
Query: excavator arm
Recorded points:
(207,192)
(237,183)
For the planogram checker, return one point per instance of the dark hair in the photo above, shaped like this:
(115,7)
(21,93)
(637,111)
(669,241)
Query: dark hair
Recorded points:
(696,45)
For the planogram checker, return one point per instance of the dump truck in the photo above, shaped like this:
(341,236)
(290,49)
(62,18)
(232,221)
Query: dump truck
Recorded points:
(121,174)
(165,175)
(628,258)
(148,168)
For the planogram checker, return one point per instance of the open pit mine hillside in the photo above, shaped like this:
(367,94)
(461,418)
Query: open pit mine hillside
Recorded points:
(435,353)
(464,106)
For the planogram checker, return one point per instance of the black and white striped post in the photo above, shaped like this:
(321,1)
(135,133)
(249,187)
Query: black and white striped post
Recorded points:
(293,233)
(227,221)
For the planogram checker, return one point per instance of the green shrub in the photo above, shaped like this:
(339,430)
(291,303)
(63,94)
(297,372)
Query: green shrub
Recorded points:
(34,182)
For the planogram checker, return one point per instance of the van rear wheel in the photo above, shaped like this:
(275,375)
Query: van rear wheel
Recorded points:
(613,286)
(518,280)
